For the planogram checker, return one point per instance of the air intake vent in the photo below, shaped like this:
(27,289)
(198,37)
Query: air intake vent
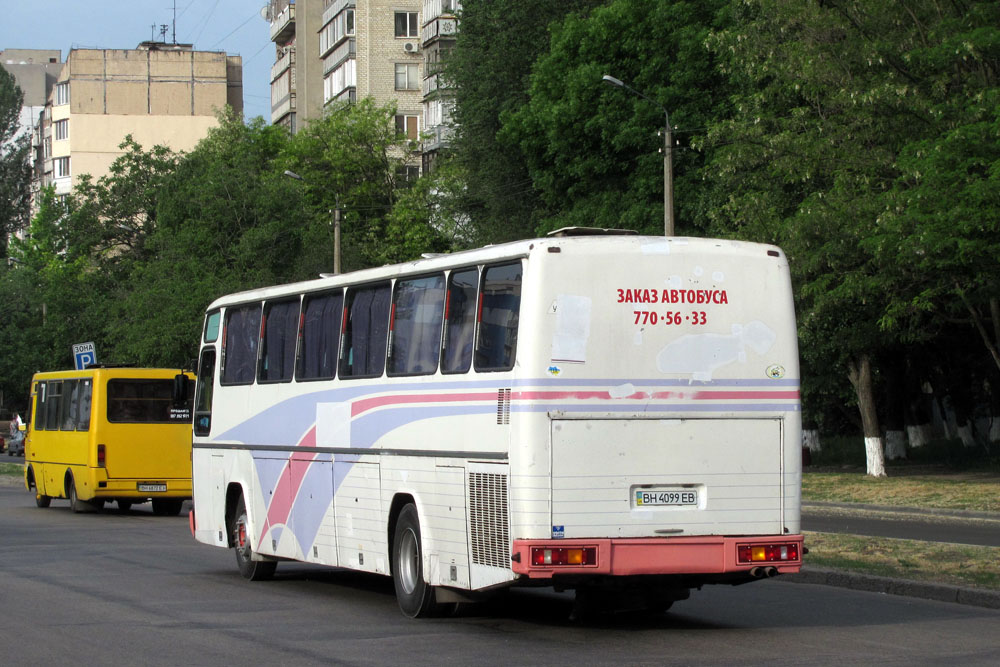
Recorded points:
(488,519)
(503,406)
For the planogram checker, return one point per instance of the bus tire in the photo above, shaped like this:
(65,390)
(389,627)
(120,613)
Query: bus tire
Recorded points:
(167,506)
(252,570)
(78,505)
(415,597)
(42,500)
(124,505)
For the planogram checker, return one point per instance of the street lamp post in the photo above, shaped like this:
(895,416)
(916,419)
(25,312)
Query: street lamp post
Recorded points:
(336,226)
(668,164)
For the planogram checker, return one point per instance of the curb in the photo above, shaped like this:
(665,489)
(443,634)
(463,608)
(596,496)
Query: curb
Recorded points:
(891,586)
(890,509)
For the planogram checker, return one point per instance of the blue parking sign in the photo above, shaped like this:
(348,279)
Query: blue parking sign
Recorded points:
(84,354)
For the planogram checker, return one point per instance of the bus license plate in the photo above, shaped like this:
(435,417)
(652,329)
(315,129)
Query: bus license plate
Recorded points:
(151,488)
(661,497)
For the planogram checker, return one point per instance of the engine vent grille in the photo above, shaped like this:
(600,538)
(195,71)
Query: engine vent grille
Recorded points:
(488,527)
(503,406)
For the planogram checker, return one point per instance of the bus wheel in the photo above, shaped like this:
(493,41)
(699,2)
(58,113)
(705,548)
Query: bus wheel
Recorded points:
(42,500)
(167,506)
(124,505)
(78,505)
(415,597)
(254,570)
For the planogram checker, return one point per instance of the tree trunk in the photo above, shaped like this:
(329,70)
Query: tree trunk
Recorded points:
(895,445)
(895,407)
(810,440)
(859,371)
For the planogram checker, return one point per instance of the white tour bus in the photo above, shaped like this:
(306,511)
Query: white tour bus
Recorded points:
(605,413)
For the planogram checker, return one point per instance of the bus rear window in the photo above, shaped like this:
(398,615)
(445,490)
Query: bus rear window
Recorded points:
(499,311)
(142,401)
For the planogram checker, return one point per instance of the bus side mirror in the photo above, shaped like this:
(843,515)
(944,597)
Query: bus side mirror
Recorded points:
(180,389)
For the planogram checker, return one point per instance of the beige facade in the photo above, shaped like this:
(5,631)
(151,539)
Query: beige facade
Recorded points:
(329,51)
(161,94)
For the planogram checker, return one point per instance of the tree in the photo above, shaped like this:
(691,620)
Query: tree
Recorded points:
(489,71)
(832,97)
(593,151)
(15,170)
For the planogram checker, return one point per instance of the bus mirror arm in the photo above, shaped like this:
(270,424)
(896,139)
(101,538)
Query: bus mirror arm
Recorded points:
(180,396)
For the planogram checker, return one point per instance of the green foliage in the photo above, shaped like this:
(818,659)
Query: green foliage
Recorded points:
(15,171)
(489,70)
(593,150)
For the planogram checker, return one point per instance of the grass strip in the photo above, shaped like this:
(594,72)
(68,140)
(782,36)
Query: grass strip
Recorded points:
(957,564)
(12,469)
(979,491)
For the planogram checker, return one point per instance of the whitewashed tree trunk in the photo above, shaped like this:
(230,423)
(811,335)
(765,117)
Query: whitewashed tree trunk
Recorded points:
(919,435)
(965,433)
(895,445)
(810,440)
(995,428)
(859,372)
(875,455)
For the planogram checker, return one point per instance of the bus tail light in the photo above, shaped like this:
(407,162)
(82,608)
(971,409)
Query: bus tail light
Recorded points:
(768,553)
(101,457)
(564,556)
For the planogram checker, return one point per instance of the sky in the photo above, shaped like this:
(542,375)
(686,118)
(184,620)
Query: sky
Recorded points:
(233,26)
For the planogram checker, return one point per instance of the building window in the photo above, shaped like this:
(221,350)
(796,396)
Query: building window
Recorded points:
(406,175)
(62,93)
(407,77)
(62,129)
(407,127)
(340,27)
(47,147)
(406,24)
(340,79)
(62,167)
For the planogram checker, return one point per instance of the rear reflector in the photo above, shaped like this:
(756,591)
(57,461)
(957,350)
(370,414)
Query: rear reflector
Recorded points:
(564,556)
(767,553)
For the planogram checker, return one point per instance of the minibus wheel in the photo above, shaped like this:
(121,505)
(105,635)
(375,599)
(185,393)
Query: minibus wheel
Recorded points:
(415,597)
(41,500)
(254,570)
(167,506)
(78,505)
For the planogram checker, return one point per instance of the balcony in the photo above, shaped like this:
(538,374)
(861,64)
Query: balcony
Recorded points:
(334,9)
(283,24)
(282,64)
(439,28)
(347,49)
(435,138)
(284,107)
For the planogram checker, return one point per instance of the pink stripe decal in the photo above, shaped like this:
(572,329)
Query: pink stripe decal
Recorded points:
(288,485)
(362,406)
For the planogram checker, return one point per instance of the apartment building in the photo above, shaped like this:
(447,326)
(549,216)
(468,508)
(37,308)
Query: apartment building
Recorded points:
(438,35)
(35,71)
(329,51)
(166,94)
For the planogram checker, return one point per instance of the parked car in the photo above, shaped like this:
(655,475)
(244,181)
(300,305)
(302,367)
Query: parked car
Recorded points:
(15,445)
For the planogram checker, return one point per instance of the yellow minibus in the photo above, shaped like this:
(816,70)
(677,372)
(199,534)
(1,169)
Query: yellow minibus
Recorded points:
(110,434)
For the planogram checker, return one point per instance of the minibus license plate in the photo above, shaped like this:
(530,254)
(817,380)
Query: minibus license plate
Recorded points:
(149,488)
(655,497)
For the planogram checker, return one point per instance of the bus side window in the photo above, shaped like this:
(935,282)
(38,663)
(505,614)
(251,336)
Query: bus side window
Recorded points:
(501,304)
(366,331)
(53,406)
(41,405)
(460,321)
(203,393)
(240,340)
(277,347)
(66,411)
(321,315)
(416,326)
(83,411)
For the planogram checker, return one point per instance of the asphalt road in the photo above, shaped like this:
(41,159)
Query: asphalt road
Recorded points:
(135,588)
(933,527)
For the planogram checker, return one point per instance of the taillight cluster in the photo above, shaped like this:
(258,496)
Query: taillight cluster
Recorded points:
(767,553)
(564,556)
(101,457)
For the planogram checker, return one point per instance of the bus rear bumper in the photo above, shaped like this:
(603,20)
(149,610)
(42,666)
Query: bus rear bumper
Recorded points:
(708,554)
